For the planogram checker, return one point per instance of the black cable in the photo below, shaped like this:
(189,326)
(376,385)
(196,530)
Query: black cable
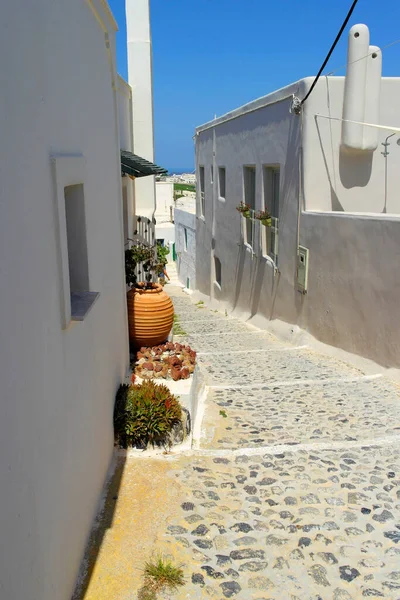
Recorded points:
(331,50)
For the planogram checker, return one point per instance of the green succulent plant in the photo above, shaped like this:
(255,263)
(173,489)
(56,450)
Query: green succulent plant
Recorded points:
(145,414)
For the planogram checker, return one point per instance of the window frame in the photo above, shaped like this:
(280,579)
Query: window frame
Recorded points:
(271,235)
(69,170)
(249,222)
(220,169)
(202,194)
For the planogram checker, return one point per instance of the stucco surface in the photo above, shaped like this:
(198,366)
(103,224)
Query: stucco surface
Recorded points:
(186,261)
(57,386)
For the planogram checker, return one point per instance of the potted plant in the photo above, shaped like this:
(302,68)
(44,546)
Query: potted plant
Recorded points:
(244,209)
(265,217)
(150,309)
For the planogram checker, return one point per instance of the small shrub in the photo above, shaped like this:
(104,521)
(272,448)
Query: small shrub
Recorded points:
(223,414)
(144,414)
(160,575)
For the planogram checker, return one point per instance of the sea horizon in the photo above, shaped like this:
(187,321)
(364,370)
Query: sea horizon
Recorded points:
(180,170)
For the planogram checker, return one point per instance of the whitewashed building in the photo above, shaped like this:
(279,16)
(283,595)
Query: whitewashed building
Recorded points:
(64,117)
(185,244)
(329,261)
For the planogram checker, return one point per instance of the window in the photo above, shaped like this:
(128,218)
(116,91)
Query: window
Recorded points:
(271,184)
(221,183)
(76,297)
(202,195)
(185,244)
(217,265)
(212,174)
(249,189)
(78,266)
(76,238)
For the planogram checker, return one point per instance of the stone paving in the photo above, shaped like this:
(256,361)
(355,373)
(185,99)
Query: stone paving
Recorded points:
(292,491)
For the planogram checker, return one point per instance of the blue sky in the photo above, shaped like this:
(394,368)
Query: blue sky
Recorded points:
(210,56)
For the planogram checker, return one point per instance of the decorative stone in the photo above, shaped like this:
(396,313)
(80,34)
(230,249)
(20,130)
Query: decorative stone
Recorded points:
(340,594)
(200,530)
(318,573)
(304,541)
(253,566)
(230,588)
(223,560)
(393,535)
(260,583)
(267,481)
(328,558)
(203,544)
(198,578)
(193,518)
(246,540)
(245,553)
(232,573)
(213,573)
(383,517)
(275,540)
(242,527)
(175,529)
(348,573)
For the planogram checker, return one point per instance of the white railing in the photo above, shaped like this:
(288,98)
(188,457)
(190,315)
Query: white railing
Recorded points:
(144,230)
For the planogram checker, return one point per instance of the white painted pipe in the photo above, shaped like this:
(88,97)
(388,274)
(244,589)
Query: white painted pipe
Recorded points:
(355,87)
(372,98)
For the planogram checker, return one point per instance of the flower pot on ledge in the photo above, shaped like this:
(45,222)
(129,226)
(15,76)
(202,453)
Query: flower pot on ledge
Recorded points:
(150,315)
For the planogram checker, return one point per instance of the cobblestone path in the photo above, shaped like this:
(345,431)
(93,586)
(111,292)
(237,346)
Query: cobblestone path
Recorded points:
(292,491)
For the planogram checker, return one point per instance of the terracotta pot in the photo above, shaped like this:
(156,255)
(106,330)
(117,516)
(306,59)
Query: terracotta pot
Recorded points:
(150,315)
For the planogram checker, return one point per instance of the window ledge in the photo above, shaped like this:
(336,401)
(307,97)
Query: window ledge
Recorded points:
(217,286)
(81,303)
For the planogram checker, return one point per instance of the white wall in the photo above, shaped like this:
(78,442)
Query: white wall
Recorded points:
(57,386)
(140,78)
(124,96)
(164,200)
(186,260)
(350,181)
(165,229)
(353,275)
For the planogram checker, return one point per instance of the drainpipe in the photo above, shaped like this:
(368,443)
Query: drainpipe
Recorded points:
(385,154)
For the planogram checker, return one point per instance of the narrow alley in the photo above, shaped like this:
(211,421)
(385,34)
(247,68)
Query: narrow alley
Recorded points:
(290,491)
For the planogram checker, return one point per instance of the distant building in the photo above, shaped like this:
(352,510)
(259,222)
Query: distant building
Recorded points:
(185,241)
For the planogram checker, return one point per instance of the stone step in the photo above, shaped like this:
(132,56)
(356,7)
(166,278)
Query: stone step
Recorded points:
(367,409)
(266,368)
(228,342)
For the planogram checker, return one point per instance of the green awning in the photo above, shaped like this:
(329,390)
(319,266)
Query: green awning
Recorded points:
(134,165)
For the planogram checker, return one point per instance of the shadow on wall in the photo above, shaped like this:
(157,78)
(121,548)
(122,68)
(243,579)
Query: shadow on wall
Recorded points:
(335,204)
(103,522)
(355,168)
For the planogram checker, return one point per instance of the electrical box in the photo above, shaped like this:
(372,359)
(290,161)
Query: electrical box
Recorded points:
(302,269)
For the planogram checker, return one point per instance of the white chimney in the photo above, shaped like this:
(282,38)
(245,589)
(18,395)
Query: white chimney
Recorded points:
(361,99)
(140,78)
